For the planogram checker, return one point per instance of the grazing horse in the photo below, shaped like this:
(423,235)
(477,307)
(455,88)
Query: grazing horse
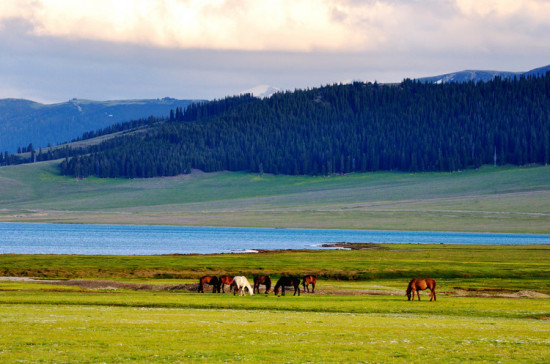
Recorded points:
(225,280)
(211,280)
(309,279)
(239,284)
(287,281)
(417,285)
(262,280)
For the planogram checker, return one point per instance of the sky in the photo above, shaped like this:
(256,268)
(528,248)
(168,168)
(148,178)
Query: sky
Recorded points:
(55,50)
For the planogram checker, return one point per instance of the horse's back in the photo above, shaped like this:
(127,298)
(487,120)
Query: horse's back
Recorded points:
(422,284)
(208,279)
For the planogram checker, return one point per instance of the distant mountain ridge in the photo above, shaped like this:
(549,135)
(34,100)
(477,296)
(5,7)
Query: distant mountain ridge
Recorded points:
(481,76)
(23,121)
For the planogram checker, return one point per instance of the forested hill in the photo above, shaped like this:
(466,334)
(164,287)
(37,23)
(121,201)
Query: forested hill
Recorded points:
(411,126)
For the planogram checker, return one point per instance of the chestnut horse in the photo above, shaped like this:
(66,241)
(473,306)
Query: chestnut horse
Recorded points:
(417,285)
(287,281)
(211,280)
(265,280)
(225,280)
(309,279)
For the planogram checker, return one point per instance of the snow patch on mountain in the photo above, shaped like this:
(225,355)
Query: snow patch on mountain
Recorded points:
(261,91)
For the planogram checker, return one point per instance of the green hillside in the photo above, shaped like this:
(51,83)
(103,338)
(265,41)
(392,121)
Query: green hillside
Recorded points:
(501,199)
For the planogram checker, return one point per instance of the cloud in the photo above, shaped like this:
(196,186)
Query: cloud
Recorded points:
(54,50)
(283,25)
(215,24)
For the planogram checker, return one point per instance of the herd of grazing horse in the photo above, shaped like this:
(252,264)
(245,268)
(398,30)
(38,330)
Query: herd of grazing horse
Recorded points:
(240,284)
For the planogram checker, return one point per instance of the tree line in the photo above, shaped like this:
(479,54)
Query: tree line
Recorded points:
(339,128)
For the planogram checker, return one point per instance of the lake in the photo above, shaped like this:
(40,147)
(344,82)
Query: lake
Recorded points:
(30,238)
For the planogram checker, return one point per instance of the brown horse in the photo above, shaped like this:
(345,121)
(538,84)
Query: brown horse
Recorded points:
(309,279)
(287,281)
(225,280)
(211,280)
(265,280)
(417,285)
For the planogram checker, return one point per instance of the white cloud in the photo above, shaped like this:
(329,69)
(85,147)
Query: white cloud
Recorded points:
(285,25)
(58,49)
(218,24)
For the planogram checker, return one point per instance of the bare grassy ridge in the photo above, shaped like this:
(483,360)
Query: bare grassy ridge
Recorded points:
(487,200)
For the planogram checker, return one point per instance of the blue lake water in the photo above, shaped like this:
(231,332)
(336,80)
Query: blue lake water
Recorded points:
(29,238)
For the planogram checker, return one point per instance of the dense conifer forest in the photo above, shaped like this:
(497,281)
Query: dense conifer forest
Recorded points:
(357,127)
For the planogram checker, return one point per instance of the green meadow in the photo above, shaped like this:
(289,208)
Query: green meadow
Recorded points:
(493,305)
(489,199)
(493,302)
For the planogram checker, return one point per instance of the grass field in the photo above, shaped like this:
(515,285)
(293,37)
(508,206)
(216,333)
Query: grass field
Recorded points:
(493,306)
(489,199)
(493,301)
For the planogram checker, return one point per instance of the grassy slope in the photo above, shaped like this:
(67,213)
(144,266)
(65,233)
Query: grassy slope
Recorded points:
(489,199)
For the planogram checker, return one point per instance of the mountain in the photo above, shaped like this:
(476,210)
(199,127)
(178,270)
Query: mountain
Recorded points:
(481,76)
(339,129)
(538,71)
(261,91)
(24,121)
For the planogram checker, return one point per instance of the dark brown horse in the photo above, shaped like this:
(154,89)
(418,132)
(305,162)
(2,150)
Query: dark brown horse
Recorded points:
(225,280)
(265,280)
(285,281)
(307,280)
(211,280)
(416,285)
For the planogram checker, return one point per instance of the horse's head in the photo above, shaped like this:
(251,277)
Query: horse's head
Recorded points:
(408,294)
(276,291)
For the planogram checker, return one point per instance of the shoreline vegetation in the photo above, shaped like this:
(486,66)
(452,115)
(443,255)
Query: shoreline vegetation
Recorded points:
(359,262)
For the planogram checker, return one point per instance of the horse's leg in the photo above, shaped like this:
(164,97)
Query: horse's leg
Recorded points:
(418,294)
(313,288)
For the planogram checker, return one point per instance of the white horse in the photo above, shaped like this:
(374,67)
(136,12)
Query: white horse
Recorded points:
(240,283)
